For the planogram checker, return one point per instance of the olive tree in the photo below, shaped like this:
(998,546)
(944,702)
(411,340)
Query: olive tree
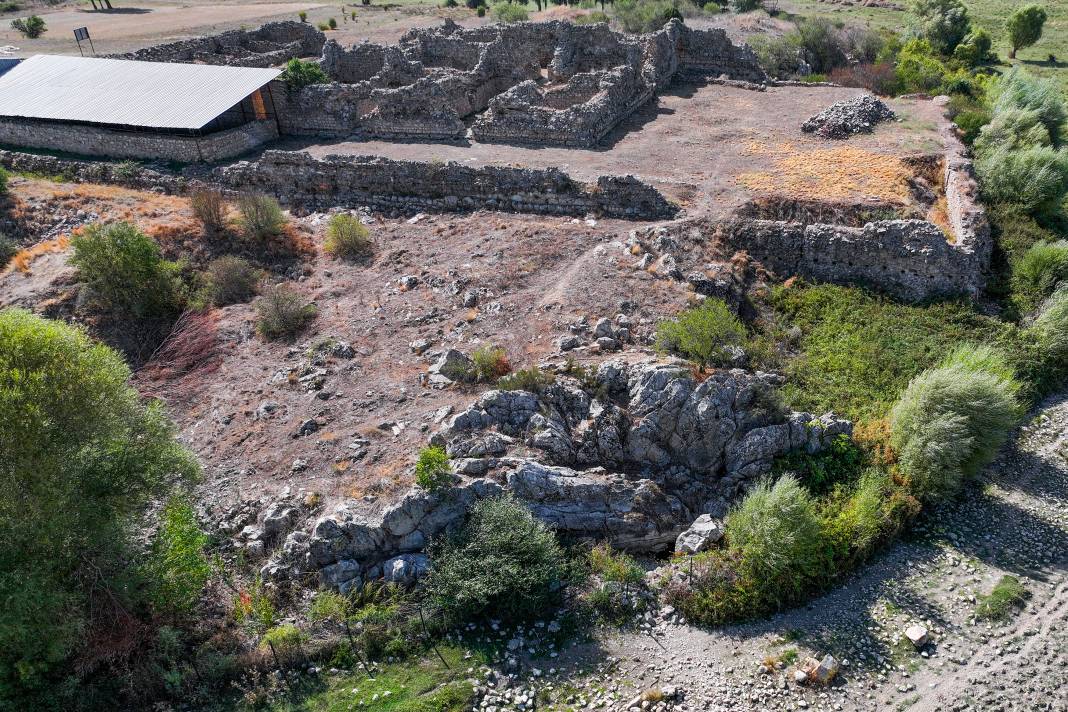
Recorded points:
(1024,27)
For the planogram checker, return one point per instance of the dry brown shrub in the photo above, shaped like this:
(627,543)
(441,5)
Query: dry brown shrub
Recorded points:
(179,367)
(210,210)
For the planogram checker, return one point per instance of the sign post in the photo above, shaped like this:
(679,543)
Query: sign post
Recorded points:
(82,33)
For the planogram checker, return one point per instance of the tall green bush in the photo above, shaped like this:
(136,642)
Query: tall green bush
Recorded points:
(509,12)
(1012,129)
(432,470)
(1041,269)
(261,216)
(299,74)
(3,181)
(1024,27)
(124,271)
(80,457)
(502,564)
(776,534)
(1051,325)
(177,568)
(347,237)
(943,23)
(1035,178)
(951,420)
(703,333)
(1017,89)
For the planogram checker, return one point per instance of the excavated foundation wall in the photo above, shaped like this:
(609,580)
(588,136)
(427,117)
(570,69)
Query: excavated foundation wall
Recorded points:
(267,46)
(306,183)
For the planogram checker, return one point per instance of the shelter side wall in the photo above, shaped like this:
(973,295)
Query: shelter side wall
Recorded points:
(99,141)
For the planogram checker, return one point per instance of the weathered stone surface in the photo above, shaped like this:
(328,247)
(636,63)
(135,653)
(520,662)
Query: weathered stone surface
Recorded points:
(343,576)
(702,535)
(452,365)
(406,569)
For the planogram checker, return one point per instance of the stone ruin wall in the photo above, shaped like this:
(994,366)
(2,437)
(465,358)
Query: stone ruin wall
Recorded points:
(305,183)
(269,45)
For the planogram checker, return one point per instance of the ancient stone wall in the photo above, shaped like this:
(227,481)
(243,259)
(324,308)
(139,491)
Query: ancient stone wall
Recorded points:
(300,180)
(99,141)
(266,46)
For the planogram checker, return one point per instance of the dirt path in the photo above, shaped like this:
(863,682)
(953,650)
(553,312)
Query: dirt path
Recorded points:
(1014,522)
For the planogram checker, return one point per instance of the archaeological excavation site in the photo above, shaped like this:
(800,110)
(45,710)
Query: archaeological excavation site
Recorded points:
(638,356)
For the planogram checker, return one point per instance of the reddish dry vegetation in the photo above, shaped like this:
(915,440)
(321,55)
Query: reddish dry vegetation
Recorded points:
(184,361)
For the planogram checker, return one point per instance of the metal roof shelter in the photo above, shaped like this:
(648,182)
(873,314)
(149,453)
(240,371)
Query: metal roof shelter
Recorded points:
(150,95)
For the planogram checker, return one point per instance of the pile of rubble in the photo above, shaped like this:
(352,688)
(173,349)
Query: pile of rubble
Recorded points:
(852,116)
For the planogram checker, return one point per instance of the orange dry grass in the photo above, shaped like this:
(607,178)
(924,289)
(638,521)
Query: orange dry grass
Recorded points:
(838,173)
(24,257)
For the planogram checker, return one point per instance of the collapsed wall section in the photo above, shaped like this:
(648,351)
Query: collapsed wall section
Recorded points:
(267,46)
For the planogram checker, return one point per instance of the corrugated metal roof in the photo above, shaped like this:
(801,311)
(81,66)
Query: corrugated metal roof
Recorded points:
(117,91)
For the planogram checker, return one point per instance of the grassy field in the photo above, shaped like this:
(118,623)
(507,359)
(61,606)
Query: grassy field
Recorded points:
(990,14)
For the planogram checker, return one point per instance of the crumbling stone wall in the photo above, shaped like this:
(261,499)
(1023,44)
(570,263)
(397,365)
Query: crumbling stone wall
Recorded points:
(298,179)
(266,46)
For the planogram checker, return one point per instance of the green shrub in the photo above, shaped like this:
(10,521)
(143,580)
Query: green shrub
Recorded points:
(509,12)
(490,364)
(1007,596)
(502,564)
(1024,27)
(124,271)
(209,208)
(229,280)
(840,463)
(432,470)
(970,116)
(254,609)
(282,313)
(951,420)
(1012,129)
(819,39)
(1038,273)
(82,458)
(747,5)
(31,27)
(974,50)
(3,181)
(702,333)
(347,237)
(261,216)
(775,533)
(619,595)
(1035,178)
(298,74)
(616,566)
(636,16)
(778,56)
(918,69)
(531,379)
(177,569)
(283,640)
(943,23)
(864,518)
(1051,325)
(332,23)
(8,250)
(303,16)
(1018,90)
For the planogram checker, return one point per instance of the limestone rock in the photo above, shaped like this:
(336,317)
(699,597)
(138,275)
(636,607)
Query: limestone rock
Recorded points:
(702,534)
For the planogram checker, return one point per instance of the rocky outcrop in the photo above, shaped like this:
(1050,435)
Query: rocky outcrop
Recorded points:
(632,456)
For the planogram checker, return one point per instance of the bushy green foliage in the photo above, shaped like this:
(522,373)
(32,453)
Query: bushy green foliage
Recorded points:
(1038,273)
(951,420)
(702,333)
(819,38)
(1035,178)
(1051,325)
(229,280)
(747,5)
(254,609)
(775,533)
(943,23)
(347,237)
(282,312)
(298,74)
(1019,90)
(261,216)
(502,564)
(283,639)
(864,518)
(490,364)
(432,470)
(1024,27)
(819,472)
(616,566)
(618,593)
(80,458)
(177,569)
(30,27)
(1008,595)
(974,50)
(640,16)
(3,181)
(918,69)
(509,12)
(1012,129)
(531,379)
(125,272)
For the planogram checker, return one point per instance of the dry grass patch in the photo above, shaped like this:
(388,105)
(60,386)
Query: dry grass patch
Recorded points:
(838,173)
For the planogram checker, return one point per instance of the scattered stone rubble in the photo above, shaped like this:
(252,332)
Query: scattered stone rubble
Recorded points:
(633,458)
(266,46)
(851,116)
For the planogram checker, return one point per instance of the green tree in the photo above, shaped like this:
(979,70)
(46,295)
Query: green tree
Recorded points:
(31,27)
(432,470)
(80,457)
(702,333)
(298,74)
(943,23)
(1024,27)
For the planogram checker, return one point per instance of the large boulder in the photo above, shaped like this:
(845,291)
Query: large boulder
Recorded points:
(702,535)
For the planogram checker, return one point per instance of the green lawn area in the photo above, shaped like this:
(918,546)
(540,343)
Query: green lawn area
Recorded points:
(415,685)
(990,14)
